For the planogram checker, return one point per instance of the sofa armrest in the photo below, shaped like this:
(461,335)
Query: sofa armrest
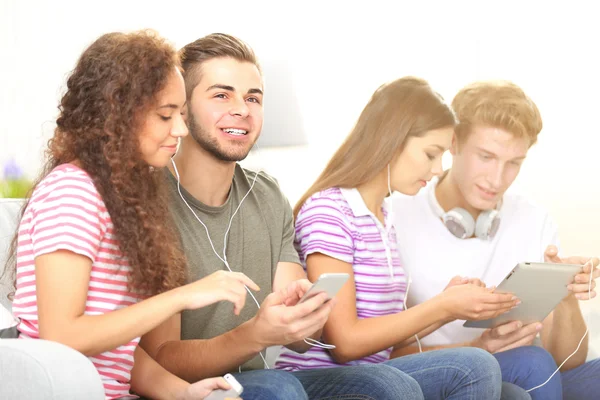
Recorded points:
(40,369)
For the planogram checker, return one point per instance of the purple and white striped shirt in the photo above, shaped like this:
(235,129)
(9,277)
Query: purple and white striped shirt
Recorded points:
(337,223)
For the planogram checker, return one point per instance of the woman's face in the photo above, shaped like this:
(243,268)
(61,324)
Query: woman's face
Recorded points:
(420,160)
(164,124)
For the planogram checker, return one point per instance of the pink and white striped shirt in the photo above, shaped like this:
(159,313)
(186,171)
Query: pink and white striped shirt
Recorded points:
(337,223)
(66,212)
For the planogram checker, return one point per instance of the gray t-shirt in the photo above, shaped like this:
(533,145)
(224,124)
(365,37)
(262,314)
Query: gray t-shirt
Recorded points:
(261,235)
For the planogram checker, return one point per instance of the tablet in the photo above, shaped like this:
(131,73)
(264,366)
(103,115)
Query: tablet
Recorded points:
(539,286)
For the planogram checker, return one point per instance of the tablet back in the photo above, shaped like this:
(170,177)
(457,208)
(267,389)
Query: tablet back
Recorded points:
(539,286)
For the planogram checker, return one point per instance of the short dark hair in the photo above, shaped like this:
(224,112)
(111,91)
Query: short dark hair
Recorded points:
(208,47)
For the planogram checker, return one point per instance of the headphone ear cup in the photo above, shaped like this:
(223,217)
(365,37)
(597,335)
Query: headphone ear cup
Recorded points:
(487,224)
(460,223)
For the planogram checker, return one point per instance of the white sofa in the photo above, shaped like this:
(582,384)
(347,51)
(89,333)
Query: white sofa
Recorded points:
(39,369)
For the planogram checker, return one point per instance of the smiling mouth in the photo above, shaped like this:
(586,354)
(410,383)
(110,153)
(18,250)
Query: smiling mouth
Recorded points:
(235,132)
(487,192)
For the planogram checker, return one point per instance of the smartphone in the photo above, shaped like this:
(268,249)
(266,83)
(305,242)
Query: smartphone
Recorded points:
(234,392)
(328,283)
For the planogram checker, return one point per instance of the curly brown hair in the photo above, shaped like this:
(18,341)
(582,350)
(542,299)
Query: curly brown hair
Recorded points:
(113,86)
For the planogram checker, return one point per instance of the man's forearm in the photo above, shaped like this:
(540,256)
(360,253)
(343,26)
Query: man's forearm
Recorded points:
(149,379)
(193,360)
(568,327)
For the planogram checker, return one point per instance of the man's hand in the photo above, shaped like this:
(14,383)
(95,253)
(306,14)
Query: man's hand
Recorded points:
(507,336)
(281,320)
(295,290)
(580,286)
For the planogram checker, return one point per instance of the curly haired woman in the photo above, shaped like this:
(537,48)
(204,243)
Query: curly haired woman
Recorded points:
(96,258)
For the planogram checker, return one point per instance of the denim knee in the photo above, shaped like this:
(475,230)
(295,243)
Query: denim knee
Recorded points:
(387,382)
(529,367)
(511,391)
(271,385)
(535,358)
(458,373)
(479,368)
(364,382)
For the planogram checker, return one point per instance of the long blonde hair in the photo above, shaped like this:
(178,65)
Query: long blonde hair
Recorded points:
(397,110)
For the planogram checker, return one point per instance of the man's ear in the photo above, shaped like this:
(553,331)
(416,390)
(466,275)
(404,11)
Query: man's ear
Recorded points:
(454,145)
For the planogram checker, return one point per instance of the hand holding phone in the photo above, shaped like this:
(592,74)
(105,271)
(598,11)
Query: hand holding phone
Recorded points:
(233,393)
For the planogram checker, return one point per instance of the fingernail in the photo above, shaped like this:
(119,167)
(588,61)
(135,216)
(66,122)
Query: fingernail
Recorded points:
(515,298)
(518,302)
(538,327)
(569,287)
(579,296)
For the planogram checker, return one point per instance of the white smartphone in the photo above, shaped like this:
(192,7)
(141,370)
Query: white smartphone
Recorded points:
(328,283)
(234,392)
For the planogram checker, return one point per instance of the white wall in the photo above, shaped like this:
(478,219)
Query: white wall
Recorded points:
(338,54)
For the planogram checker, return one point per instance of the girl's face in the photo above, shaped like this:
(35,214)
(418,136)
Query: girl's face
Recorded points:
(164,124)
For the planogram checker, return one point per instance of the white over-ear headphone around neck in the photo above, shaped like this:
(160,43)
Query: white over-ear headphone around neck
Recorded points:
(462,224)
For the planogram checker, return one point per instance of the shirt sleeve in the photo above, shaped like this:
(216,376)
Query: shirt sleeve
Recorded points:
(322,227)
(288,252)
(67,215)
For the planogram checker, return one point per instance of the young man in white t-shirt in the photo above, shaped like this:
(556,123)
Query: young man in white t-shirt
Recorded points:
(486,233)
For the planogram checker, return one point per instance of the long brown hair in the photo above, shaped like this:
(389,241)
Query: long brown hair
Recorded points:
(403,108)
(114,84)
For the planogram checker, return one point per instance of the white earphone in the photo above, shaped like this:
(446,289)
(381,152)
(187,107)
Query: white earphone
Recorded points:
(462,225)
(309,341)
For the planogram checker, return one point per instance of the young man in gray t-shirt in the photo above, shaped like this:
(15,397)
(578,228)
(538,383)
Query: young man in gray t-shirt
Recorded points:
(224,117)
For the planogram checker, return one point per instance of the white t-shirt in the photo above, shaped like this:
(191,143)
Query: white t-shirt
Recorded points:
(432,255)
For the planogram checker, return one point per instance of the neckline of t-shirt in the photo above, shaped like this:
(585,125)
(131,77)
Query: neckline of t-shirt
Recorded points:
(197,204)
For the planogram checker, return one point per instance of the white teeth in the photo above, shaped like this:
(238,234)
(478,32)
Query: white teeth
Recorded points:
(233,131)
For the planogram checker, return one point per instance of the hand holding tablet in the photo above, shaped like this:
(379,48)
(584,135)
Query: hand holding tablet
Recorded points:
(539,286)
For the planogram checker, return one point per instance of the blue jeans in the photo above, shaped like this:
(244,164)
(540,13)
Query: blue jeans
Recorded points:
(511,391)
(528,367)
(445,374)
(462,373)
(583,382)
(368,382)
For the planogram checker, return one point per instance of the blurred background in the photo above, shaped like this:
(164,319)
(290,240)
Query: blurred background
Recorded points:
(323,60)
